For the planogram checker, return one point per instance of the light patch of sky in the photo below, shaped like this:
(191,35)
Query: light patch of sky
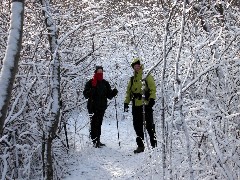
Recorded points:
(8,62)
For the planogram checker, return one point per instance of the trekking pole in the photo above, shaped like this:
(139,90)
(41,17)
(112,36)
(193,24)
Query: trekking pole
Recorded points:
(144,112)
(117,120)
(90,123)
(115,100)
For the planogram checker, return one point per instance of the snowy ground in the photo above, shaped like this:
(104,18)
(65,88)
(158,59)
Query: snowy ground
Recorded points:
(112,161)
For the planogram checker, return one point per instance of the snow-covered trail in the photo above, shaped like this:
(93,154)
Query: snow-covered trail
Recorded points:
(112,161)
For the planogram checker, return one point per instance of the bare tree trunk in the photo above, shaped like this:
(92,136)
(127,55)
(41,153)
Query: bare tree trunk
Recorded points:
(179,97)
(11,59)
(163,105)
(163,120)
(54,113)
(43,154)
(49,158)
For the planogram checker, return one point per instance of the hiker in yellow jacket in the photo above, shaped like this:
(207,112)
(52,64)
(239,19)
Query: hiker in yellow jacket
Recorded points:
(134,94)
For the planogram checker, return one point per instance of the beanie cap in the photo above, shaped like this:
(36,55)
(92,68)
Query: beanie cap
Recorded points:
(98,67)
(135,61)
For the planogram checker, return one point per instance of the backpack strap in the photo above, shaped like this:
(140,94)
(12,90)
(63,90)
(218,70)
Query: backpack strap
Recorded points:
(132,82)
(146,82)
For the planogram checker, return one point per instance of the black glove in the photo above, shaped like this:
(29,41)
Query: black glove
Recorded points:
(137,96)
(151,102)
(114,92)
(126,107)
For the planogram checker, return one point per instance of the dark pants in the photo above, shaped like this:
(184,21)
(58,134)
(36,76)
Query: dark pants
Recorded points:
(137,112)
(96,123)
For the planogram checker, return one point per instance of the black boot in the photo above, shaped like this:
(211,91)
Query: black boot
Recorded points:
(139,150)
(153,143)
(96,144)
(101,144)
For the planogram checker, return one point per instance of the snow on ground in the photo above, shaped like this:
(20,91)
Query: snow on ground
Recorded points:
(112,161)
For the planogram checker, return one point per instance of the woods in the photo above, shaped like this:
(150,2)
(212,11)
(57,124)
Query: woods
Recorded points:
(50,48)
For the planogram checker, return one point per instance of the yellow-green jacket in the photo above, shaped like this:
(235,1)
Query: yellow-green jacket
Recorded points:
(136,88)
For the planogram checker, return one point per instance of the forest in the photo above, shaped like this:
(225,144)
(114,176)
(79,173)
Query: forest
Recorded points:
(49,48)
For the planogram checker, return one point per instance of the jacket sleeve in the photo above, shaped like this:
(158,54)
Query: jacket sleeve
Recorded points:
(109,90)
(87,90)
(151,86)
(128,93)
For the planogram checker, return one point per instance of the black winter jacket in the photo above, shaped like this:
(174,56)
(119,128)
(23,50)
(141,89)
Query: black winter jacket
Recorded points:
(97,96)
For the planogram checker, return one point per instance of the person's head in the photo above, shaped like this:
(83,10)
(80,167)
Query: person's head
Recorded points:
(99,73)
(136,64)
(99,69)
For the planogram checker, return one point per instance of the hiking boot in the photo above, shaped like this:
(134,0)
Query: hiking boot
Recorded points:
(138,150)
(154,143)
(96,144)
(101,144)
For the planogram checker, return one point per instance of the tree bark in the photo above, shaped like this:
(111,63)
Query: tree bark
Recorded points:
(11,59)
(54,113)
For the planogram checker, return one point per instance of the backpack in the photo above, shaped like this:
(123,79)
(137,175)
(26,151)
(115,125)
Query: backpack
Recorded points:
(147,92)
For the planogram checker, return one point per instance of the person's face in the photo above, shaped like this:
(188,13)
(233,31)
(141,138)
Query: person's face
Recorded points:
(136,67)
(99,71)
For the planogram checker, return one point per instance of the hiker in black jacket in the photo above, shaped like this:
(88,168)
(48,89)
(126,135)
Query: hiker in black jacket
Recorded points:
(97,90)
